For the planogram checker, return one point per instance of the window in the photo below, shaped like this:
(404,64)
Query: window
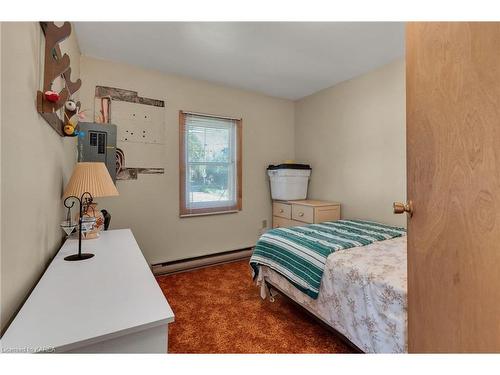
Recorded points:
(210,164)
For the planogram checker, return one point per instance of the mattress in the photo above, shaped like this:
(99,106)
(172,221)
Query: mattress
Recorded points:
(300,253)
(363,295)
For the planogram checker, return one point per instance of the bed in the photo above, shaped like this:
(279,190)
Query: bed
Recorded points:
(362,284)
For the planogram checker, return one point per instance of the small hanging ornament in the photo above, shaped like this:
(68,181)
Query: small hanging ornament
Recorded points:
(69,129)
(51,96)
(79,133)
(70,105)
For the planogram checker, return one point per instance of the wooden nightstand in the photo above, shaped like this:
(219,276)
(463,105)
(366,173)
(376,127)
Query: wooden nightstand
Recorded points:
(297,213)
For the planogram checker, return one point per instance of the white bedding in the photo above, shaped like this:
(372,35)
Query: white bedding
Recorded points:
(362,295)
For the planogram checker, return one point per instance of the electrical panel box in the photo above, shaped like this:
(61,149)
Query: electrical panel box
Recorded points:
(98,144)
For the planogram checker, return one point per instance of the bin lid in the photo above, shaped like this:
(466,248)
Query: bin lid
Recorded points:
(289,166)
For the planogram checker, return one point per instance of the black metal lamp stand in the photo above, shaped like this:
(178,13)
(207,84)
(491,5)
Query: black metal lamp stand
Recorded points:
(84,200)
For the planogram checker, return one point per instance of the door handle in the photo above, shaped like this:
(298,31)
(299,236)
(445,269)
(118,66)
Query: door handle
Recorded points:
(407,207)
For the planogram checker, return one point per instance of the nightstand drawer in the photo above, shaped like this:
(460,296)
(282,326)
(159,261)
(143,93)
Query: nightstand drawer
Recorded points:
(279,222)
(282,210)
(303,213)
(328,213)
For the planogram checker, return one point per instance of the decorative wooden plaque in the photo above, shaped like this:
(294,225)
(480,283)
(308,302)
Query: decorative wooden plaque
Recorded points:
(55,65)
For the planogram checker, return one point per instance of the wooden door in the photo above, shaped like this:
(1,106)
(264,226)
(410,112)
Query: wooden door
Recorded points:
(453,164)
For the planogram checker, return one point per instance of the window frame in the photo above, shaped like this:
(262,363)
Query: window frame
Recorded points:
(184,211)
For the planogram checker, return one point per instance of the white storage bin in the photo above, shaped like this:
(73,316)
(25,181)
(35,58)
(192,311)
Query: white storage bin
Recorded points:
(288,183)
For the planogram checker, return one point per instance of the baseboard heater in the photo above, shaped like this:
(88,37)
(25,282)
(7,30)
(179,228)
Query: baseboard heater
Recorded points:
(201,261)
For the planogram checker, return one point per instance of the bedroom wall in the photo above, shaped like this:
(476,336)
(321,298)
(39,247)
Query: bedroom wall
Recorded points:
(354,136)
(35,165)
(150,205)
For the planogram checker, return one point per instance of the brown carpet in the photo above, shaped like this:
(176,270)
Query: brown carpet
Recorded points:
(218,310)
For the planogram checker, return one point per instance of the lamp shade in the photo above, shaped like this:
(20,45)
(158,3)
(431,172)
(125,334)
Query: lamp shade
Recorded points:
(90,177)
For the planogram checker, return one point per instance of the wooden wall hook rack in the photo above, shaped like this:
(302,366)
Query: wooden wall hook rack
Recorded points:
(56,65)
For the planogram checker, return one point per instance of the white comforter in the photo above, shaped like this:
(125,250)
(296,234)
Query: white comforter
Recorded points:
(362,295)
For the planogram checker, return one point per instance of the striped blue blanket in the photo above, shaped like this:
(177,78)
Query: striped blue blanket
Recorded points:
(299,253)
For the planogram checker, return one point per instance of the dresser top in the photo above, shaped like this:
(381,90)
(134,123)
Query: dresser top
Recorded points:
(84,302)
(312,203)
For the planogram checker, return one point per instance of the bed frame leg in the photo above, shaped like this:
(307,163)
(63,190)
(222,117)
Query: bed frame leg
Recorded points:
(272,292)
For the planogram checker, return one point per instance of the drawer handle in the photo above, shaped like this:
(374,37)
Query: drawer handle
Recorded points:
(281,211)
(301,214)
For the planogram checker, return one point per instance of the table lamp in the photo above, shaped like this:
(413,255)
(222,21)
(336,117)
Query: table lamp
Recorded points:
(88,181)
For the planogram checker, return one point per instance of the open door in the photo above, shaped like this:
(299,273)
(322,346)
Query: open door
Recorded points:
(453,166)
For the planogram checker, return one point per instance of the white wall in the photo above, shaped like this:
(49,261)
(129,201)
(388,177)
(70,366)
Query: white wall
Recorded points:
(35,164)
(150,205)
(354,136)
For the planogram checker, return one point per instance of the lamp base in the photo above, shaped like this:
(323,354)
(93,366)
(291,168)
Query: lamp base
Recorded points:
(75,257)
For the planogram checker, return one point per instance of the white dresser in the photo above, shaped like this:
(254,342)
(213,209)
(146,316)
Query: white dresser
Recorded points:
(110,303)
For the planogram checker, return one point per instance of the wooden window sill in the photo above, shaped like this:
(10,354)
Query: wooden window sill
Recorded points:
(208,213)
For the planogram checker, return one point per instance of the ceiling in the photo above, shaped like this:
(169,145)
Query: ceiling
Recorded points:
(283,59)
